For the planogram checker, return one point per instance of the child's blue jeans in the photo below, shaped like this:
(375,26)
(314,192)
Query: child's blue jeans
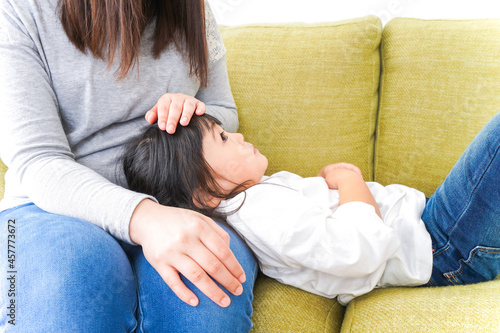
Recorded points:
(72,276)
(463,215)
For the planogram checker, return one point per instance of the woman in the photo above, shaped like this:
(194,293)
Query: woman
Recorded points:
(75,79)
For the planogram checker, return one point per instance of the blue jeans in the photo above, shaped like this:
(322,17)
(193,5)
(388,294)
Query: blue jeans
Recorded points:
(463,215)
(69,275)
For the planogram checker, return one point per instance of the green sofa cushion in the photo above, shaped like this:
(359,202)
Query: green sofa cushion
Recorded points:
(307,94)
(440,85)
(471,308)
(281,308)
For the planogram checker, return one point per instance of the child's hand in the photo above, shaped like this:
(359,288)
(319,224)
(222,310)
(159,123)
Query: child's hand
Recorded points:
(334,177)
(172,109)
(348,180)
(330,167)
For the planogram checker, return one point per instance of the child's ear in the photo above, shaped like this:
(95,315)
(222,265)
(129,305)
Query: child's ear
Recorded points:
(206,199)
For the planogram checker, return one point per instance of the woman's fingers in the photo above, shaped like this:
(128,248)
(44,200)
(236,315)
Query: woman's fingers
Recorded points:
(173,115)
(173,109)
(200,267)
(201,108)
(195,272)
(152,115)
(222,266)
(188,110)
(227,257)
(222,233)
(182,110)
(173,280)
(219,261)
(231,274)
(209,258)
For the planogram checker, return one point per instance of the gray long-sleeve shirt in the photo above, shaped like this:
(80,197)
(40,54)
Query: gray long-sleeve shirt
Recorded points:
(64,117)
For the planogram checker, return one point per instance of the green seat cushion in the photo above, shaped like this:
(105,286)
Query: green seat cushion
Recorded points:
(440,85)
(471,308)
(307,94)
(281,308)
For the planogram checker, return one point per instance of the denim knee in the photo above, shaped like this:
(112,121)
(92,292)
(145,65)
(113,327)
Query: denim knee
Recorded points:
(71,275)
(162,311)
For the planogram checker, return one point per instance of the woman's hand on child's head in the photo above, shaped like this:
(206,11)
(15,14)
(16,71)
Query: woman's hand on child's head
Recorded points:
(180,241)
(331,167)
(173,109)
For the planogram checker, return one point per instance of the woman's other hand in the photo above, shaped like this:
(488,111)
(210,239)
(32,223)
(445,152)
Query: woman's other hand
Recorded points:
(176,240)
(173,109)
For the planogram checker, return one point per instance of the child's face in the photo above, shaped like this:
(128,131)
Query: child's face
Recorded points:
(233,160)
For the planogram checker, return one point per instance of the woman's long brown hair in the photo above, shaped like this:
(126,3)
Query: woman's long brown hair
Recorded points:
(104,26)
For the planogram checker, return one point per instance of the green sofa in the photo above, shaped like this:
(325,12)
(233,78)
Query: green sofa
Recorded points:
(401,102)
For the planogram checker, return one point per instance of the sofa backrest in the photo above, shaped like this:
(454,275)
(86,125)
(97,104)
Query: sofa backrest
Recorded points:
(307,94)
(440,85)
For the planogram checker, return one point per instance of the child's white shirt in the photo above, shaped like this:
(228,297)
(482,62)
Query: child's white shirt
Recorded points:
(302,237)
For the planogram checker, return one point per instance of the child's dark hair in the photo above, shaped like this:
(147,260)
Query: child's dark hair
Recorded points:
(171,167)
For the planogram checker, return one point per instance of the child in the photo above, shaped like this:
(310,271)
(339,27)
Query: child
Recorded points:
(334,234)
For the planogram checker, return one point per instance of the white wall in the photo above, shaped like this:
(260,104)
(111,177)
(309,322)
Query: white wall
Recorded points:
(236,12)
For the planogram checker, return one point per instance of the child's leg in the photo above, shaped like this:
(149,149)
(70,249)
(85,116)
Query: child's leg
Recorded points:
(463,216)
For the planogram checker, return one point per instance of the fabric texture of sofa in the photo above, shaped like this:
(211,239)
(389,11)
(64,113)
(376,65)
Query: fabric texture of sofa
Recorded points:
(402,102)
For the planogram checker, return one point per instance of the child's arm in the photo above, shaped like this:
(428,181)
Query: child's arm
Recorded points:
(349,182)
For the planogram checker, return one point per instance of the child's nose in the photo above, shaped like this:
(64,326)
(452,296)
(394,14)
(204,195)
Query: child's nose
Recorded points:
(239,137)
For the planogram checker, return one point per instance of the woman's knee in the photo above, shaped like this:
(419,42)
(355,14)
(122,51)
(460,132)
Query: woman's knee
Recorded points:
(70,274)
(246,259)
(157,299)
(241,306)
